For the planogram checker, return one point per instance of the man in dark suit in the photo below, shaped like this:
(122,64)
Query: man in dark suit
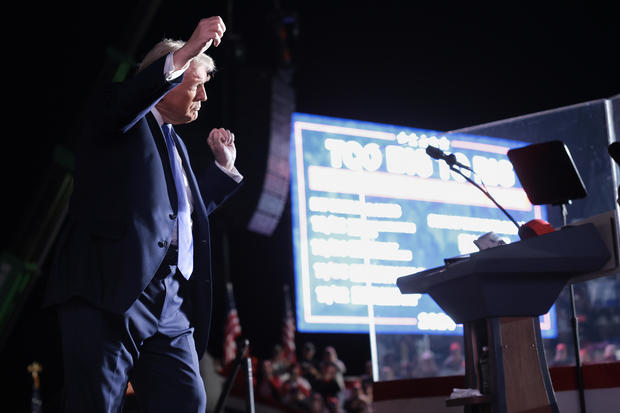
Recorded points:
(132,276)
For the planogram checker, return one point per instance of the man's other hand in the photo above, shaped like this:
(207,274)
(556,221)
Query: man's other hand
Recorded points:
(222,144)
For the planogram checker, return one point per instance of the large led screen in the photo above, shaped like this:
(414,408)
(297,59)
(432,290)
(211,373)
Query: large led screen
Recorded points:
(369,205)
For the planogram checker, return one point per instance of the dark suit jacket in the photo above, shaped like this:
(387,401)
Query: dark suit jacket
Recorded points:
(123,206)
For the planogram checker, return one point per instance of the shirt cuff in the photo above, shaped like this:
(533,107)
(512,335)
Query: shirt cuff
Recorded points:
(234,174)
(169,71)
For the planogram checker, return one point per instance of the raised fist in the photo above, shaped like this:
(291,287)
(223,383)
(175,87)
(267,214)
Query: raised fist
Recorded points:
(222,143)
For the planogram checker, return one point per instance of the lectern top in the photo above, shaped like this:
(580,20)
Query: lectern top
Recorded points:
(495,281)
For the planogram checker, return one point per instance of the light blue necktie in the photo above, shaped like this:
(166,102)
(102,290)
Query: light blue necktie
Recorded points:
(184,223)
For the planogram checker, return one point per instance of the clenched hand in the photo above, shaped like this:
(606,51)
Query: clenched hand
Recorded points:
(222,144)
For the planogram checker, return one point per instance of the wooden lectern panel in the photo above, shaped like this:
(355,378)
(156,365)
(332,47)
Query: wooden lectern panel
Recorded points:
(523,377)
(517,374)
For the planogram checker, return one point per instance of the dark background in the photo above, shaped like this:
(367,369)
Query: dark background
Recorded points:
(441,66)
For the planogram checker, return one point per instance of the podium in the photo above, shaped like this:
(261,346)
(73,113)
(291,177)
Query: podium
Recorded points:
(498,294)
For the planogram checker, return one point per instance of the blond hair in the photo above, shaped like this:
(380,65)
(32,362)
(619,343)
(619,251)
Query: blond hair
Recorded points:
(169,45)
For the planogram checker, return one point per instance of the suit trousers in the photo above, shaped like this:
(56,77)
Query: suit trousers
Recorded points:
(151,345)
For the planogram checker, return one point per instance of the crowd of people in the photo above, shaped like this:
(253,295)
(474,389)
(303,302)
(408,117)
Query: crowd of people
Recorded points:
(602,352)
(596,302)
(314,383)
(409,356)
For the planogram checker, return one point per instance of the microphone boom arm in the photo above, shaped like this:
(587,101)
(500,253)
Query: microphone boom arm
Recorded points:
(471,181)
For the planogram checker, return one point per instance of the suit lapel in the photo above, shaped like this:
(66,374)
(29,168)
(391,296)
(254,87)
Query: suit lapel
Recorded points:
(158,137)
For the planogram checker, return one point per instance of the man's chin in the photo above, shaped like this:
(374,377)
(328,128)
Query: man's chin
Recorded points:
(189,118)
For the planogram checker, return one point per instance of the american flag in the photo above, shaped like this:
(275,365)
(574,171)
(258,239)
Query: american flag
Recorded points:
(288,330)
(233,328)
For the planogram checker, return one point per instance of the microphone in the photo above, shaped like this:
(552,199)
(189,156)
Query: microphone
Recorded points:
(437,153)
(614,151)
